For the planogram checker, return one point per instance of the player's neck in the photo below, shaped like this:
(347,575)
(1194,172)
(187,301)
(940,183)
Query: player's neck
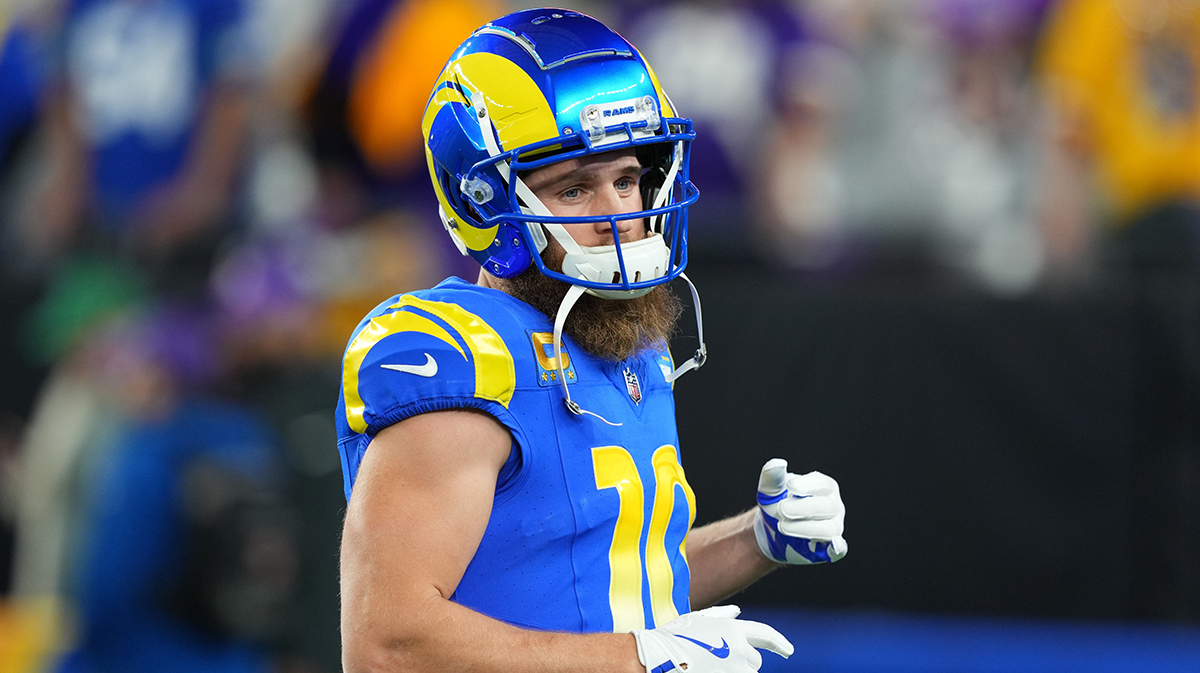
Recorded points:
(489,281)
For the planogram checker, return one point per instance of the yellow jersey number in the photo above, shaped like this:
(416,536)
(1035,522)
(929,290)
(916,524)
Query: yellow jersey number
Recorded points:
(615,468)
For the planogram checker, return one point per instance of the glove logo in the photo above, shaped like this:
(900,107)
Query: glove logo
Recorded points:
(719,652)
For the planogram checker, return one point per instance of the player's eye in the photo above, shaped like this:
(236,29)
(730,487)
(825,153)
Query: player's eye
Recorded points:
(625,184)
(572,193)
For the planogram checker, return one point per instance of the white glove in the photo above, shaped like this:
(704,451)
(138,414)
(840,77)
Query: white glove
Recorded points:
(800,517)
(712,640)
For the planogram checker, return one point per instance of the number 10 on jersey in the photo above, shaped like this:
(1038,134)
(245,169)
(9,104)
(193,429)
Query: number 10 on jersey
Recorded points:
(615,468)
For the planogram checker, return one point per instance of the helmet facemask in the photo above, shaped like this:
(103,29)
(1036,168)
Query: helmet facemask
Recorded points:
(496,192)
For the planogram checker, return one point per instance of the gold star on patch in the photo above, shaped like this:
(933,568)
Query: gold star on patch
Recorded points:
(544,377)
(553,376)
(571,375)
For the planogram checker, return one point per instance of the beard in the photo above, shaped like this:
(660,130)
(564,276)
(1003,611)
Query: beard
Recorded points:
(610,329)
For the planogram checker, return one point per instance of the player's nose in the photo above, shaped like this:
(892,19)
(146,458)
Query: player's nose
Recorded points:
(611,202)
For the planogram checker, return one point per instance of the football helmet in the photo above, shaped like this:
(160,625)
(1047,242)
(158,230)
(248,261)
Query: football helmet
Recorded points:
(541,86)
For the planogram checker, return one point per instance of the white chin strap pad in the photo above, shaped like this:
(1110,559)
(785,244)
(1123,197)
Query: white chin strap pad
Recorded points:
(646,259)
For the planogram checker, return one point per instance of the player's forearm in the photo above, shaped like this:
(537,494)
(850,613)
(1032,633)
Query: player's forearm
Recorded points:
(724,558)
(438,635)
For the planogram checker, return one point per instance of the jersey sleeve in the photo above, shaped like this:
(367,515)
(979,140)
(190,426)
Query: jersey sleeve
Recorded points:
(413,355)
(417,356)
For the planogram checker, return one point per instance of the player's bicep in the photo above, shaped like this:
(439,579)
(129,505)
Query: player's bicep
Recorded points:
(419,508)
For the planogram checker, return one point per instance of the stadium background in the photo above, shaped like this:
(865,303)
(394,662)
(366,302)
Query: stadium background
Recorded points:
(946,250)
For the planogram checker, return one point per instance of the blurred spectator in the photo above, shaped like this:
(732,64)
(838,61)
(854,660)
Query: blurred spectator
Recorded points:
(169,509)
(146,129)
(280,183)
(365,115)
(71,416)
(900,146)
(23,37)
(800,188)
(392,76)
(988,226)
(291,39)
(854,181)
(1122,85)
(369,103)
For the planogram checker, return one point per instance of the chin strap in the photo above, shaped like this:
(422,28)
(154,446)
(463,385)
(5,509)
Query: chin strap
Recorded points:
(701,355)
(664,192)
(568,302)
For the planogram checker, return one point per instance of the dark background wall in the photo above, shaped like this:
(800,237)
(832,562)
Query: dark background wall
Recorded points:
(1031,457)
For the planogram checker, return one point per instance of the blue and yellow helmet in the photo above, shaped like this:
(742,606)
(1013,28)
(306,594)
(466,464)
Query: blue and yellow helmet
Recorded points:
(541,86)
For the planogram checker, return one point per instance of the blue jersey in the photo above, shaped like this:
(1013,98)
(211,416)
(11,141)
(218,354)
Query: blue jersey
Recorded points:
(589,521)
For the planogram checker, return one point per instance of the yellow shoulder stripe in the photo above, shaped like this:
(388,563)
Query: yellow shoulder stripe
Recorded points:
(495,373)
(373,333)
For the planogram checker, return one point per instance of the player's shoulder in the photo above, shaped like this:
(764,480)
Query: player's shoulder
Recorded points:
(450,345)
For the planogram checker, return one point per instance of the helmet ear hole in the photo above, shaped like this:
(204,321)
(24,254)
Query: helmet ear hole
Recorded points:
(451,191)
(656,159)
(463,207)
(651,182)
(657,155)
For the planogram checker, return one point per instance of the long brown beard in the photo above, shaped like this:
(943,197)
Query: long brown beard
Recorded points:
(611,329)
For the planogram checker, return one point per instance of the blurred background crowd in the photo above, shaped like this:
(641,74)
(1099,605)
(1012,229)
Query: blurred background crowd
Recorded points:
(200,198)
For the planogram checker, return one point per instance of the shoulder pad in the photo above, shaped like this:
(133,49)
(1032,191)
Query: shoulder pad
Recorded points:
(417,350)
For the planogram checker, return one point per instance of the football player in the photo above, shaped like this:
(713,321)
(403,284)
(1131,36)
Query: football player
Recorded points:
(511,461)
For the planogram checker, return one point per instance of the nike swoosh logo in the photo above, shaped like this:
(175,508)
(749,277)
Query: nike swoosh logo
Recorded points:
(718,652)
(428,369)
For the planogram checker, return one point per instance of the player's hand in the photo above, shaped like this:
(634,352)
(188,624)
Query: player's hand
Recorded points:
(709,641)
(800,517)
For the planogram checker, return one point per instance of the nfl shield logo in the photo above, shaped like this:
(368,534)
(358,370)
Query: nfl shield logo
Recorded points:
(633,386)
